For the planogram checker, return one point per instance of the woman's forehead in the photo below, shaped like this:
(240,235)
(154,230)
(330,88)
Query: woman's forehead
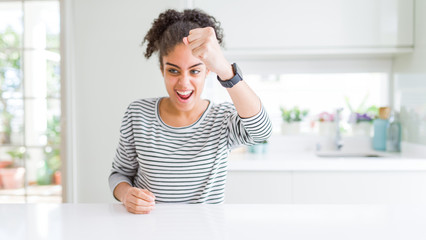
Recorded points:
(181,56)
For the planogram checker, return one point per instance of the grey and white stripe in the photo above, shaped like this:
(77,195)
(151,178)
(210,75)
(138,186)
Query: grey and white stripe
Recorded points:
(186,164)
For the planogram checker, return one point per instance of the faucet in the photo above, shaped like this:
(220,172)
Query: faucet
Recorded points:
(338,138)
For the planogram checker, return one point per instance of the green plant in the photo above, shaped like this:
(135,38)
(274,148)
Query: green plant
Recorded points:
(51,165)
(17,155)
(52,152)
(371,111)
(53,159)
(10,62)
(5,125)
(362,113)
(293,115)
(53,131)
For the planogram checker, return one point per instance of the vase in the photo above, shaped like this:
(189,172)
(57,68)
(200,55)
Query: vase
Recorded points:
(12,178)
(260,148)
(292,128)
(361,129)
(326,128)
(57,178)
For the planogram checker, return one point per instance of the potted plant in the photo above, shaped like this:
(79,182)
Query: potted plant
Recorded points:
(361,123)
(325,124)
(12,176)
(49,171)
(259,148)
(291,119)
(361,118)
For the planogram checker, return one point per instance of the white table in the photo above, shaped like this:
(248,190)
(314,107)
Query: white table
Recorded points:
(227,221)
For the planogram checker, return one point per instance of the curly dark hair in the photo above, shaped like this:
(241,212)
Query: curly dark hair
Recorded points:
(172,26)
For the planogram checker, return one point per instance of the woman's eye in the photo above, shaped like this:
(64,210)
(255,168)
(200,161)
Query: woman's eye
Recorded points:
(195,71)
(173,71)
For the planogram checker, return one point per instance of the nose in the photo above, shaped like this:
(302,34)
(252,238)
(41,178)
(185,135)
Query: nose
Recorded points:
(184,79)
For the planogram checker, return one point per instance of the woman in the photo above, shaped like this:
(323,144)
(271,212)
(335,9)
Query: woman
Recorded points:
(174,149)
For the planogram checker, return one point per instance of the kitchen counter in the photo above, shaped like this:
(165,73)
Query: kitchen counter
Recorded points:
(297,153)
(223,221)
(311,162)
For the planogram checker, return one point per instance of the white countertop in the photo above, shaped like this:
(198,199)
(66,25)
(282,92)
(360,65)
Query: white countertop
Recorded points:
(225,221)
(311,162)
(297,153)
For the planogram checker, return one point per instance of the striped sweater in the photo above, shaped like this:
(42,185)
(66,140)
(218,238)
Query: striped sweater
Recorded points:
(182,164)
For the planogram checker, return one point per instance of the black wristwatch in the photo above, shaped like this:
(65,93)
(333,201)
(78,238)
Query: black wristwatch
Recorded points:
(238,76)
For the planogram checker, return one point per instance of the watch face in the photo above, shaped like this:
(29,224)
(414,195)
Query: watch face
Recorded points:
(237,70)
(238,75)
(234,80)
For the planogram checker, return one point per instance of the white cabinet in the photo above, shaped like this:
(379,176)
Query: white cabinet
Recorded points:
(326,187)
(258,187)
(313,26)
(359,187)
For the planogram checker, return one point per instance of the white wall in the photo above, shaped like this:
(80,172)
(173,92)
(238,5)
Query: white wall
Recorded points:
(109,71)
(410,82)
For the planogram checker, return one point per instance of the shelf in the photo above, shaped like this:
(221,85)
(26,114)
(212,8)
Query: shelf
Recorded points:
(304,53)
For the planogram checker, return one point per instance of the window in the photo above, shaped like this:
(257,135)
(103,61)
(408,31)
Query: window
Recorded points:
(30,101)
(317,86)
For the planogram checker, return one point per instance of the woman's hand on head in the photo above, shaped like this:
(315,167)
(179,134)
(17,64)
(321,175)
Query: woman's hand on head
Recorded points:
(204,45)
(138,201)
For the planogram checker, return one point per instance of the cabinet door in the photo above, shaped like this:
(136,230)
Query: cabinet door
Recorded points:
(275,25)
(359,187)
(258,187)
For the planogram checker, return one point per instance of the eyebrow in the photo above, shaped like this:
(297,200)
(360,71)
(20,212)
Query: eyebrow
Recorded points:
(176,66)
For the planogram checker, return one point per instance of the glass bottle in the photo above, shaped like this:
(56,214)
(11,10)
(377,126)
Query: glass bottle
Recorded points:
(380,129)
(393,133)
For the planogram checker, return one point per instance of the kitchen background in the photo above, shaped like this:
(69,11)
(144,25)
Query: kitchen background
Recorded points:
(315,55)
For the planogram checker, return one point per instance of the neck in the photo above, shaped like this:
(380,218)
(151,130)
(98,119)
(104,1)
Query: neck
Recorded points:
(174,117)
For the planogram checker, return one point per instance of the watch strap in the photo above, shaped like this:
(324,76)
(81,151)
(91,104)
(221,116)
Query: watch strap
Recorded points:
(234,80)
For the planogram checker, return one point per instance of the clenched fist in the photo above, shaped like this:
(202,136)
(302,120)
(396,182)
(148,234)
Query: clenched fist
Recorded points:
(204,45)
(136,200)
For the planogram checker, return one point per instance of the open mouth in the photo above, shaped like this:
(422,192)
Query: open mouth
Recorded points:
(185,95)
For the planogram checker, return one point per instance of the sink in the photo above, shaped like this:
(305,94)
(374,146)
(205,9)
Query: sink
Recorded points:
(351,154)
(353,146)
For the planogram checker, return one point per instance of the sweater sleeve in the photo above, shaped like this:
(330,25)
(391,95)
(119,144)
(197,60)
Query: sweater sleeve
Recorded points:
(248,131)
(125,165)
